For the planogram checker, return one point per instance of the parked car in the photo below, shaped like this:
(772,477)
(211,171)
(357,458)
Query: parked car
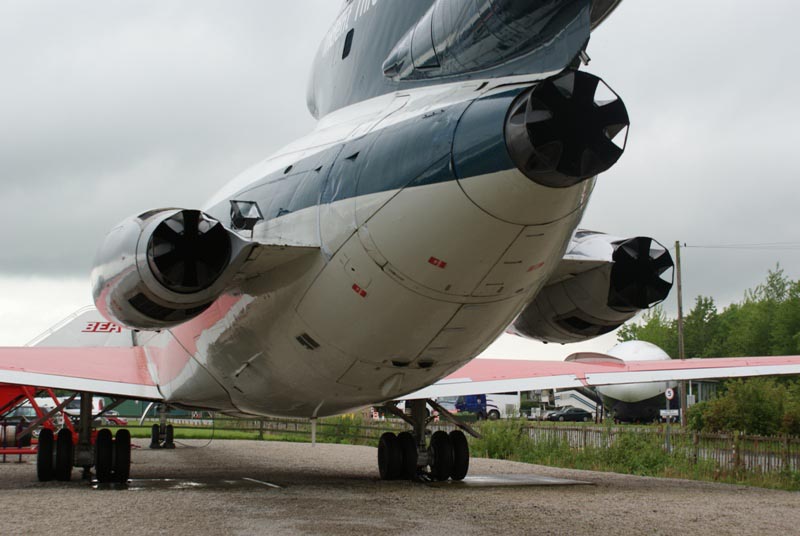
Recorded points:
(570,414)
(492,406)
(21,417)
(24,414)
(112,418)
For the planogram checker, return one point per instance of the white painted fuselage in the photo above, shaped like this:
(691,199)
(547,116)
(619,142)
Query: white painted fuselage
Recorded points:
(408,285)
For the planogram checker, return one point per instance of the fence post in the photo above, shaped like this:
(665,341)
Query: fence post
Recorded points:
(261,429)
(696,446)
(785,454)
(737,458)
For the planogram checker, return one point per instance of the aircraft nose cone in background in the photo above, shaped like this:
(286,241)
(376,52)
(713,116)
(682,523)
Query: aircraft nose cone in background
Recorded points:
(636,392)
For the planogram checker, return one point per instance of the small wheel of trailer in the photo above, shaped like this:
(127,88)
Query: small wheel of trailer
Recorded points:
(45,470)
(441,456)
(122,456)
(104,456)
(64,455)
(460,455)
(390,457)
(408,449)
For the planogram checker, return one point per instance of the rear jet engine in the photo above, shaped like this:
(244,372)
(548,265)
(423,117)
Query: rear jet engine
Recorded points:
(559,133)
(632,274)
(164,267)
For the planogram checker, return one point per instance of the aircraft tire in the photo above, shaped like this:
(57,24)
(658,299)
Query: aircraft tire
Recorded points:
(122,456)
(44,456)
(169,438)
(390,457)
(104,456)
(155,437)
(64,455)
(460,455)
(441,456)
(408,448)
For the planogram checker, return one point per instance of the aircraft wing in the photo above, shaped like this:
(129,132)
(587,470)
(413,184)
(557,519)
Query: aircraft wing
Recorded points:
(85,353)
(481,376)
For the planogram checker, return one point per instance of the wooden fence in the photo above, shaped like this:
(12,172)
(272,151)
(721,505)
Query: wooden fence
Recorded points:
(727,451)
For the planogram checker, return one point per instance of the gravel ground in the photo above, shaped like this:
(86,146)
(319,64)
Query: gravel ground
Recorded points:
(334,489)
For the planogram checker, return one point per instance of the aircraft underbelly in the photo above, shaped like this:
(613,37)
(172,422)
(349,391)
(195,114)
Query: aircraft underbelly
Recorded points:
(405,301)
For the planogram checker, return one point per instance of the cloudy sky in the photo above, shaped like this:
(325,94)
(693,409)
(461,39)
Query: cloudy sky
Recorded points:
(113,107)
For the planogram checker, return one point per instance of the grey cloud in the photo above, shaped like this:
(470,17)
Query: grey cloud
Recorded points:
(113,107)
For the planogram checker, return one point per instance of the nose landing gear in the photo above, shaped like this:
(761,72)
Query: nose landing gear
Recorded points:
(409,456)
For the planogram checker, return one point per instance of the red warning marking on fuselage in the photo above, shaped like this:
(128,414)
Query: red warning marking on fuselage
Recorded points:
(102,327)
(437,262)
(535,267)
(360,291)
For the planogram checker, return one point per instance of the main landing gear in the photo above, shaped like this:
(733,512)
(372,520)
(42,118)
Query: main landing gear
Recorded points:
(59,453)
(408,455)
(162,435)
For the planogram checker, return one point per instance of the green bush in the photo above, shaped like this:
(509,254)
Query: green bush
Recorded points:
(635,453)
(760,406)
(503,439)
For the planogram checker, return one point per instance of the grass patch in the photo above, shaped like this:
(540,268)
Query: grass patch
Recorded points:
(629,453)
(637,451)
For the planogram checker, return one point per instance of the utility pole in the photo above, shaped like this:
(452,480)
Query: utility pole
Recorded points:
(681,351)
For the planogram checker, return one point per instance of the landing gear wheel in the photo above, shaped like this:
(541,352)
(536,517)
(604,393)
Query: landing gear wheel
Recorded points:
(155,437)
(390,457)
(169,438)
(408,448)
(64,455)
(104,456)
(44,456)
(441,456)
(460,455)
(122,456)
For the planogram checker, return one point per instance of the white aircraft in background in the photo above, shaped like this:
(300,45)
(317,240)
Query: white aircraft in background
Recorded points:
(435,204)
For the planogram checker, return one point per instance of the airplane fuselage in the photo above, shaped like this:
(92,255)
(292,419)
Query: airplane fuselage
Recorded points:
(432,235)
(427,255)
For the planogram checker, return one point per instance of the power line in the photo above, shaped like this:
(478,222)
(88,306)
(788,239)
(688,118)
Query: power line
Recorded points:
(763,246)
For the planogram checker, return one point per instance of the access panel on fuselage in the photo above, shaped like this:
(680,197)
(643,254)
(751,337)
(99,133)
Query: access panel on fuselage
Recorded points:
(356,307)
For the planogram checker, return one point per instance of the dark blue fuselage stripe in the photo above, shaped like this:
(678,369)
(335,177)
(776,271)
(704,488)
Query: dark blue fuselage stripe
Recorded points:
(417,152)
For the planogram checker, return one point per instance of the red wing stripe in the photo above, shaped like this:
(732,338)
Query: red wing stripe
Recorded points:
(96,369)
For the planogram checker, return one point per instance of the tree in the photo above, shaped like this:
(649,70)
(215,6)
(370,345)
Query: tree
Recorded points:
(700,328)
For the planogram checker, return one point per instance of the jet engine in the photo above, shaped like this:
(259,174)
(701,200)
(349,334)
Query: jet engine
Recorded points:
(164,267)
(604,281)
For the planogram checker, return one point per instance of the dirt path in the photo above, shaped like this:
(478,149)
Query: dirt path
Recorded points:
(334,489)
